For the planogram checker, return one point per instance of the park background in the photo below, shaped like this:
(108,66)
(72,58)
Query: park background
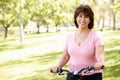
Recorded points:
(33,32)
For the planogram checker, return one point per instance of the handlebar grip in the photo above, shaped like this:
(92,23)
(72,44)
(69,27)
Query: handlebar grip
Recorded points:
(102,67)
(92,67)
(89,68)
(59,71)
(51,71)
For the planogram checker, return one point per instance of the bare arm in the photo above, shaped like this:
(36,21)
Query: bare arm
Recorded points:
(64,59)
(100,57)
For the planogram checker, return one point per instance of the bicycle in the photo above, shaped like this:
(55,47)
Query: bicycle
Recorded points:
(75,75)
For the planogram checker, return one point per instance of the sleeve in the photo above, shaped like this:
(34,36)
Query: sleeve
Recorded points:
(98,39)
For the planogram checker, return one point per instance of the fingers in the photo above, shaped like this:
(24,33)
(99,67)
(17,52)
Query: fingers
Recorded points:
(98,66)
(54,69)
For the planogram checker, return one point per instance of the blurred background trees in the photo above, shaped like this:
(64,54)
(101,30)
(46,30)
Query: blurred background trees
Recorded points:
(47,14)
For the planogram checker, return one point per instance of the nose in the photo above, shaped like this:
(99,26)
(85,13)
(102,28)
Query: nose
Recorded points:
(82,18)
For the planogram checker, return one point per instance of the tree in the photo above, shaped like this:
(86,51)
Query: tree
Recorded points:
(37,12)
(115,9)
(7,14)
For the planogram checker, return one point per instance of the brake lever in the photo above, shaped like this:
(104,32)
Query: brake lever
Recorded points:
(88,69)
(59,71)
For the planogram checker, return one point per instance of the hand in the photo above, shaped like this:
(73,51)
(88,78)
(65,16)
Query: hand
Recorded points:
(98,66)
(54,69)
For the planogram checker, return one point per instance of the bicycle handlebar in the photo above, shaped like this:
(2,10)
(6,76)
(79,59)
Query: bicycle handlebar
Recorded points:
(87,69)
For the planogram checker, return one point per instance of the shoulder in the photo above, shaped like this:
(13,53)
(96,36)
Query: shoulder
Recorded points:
(70,35)
(96,33)
(98,39)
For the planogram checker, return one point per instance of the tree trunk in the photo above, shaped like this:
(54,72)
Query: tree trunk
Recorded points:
(57,28)
(38,27)
(103,24)
(47,29)
(6,29)
(21,34)
(98,23)
(24,25)
(109,21)
(6,32)
(114,20)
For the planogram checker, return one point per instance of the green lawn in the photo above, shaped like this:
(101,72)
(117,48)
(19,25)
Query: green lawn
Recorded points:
(36,66)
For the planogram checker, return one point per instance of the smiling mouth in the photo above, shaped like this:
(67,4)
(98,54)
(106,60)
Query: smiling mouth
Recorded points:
(82,23)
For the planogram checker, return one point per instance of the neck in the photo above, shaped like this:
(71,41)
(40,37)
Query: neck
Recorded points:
(83,30)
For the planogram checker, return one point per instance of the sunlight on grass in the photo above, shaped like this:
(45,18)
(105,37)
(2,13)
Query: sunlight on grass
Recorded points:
(31,67)
(41,52)
(13,43)
(112,56)
(40,46)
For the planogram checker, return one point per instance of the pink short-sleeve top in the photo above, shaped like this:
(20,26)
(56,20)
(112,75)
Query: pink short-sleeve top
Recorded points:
(83,55)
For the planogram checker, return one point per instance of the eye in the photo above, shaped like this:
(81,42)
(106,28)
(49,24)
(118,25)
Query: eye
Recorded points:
(86,16)
(80,16)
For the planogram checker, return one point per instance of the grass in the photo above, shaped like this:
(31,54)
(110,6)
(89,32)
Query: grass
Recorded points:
(112,56)
(31,40)
(36,66)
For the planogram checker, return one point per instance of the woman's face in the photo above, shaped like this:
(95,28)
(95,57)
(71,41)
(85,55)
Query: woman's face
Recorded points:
(83,20)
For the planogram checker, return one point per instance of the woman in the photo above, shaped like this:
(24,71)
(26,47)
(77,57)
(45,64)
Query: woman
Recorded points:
(84,47)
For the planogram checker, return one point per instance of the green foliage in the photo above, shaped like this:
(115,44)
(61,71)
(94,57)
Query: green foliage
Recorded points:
(52,12)
(117,7)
